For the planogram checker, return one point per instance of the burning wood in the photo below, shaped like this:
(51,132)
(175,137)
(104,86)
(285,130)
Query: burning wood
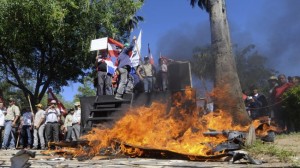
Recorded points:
(72,144)
(181,133)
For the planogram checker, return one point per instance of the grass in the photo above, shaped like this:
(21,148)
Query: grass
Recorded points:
(270,149)
(281,136)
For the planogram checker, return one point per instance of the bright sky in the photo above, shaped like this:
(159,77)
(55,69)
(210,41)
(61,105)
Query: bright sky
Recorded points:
(173,28)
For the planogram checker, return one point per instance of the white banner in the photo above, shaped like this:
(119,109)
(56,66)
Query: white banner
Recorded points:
(136,52)
(99,44)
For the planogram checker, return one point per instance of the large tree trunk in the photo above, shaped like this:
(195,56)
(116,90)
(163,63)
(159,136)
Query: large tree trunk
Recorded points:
(227,84)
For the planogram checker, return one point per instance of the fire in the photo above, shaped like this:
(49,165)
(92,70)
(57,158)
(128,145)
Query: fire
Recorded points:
(179,129)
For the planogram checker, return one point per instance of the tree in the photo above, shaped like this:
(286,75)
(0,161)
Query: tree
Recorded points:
(226,77)
(45,43)
(86,88)
(251,66)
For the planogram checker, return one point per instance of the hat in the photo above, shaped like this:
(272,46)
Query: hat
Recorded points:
(272,78)
(146,57)
(53,101)
(39,105)
(77,104)
(126,45)
(11,99)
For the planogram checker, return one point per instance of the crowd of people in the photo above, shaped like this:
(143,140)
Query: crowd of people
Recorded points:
(126,78)
(26,129)
(271,105)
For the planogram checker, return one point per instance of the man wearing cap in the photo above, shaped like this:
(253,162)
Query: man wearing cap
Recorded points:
(76,122)
(124,67)
(39,127)
(146,73)
(11,117)
(52,116)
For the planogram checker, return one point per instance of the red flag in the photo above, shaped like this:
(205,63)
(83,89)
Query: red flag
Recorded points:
(150,55)
(112,47)
(60,106)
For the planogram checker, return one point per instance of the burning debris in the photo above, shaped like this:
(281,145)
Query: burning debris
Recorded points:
(179,132)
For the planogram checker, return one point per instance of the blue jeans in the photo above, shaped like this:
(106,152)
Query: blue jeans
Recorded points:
(26,133)
(148,84)
(9,138)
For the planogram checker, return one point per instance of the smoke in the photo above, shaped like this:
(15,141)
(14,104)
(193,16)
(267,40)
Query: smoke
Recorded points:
(274,29)
(179,43)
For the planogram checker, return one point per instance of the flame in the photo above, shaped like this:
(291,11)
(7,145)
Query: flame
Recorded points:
(180,129)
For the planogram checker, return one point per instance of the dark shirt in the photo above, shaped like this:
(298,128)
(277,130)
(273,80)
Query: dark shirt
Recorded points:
(102,66)
(124,58)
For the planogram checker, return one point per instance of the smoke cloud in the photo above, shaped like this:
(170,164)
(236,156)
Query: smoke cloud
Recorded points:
(274,29)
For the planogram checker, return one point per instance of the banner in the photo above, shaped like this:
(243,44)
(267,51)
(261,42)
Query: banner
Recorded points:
(60,106)
(99,44)
(136,52)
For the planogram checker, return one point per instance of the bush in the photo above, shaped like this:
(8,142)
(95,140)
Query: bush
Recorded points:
(291,105)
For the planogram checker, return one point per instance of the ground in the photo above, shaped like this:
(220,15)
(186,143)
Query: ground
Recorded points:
(284,152)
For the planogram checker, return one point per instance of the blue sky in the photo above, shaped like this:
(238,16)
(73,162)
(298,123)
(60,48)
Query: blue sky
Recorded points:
(173,28)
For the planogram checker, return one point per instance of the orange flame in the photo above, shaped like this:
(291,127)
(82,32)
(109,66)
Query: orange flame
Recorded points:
(179,130)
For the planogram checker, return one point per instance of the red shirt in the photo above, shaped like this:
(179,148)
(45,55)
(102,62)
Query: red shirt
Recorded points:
(279,90)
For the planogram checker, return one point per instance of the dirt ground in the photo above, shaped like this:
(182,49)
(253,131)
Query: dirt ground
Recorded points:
(289,142)
(285,142)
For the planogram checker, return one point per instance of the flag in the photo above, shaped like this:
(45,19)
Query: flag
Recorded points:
(112,46)
(60,106)
(150,55)
(136,52)
(111,68)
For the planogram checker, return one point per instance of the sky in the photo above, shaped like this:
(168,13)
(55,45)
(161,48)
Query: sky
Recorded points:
(173,28)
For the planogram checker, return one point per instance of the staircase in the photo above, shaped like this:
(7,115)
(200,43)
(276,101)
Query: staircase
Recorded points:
(101,109)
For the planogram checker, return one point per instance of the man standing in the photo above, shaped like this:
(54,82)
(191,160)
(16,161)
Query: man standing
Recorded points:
(146,72)
(279,116)
(68,125)
(124,67)
(26,127)
(76,122)
(52,122)
(39,127)
(11,117)
(164,75)
(104,86)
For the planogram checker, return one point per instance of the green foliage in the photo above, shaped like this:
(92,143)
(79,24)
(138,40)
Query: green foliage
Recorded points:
(270,149)
(251,66)
(86,89)
(291,106)
(45,43)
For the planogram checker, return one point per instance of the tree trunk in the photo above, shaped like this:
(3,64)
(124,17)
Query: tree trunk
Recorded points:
(227,84)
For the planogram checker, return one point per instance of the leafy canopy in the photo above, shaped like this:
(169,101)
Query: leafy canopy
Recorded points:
(45,43)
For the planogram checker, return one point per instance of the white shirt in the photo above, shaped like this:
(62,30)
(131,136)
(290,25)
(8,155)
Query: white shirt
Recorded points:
(77,116)
(2,117)
(164,68)
(52,115)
